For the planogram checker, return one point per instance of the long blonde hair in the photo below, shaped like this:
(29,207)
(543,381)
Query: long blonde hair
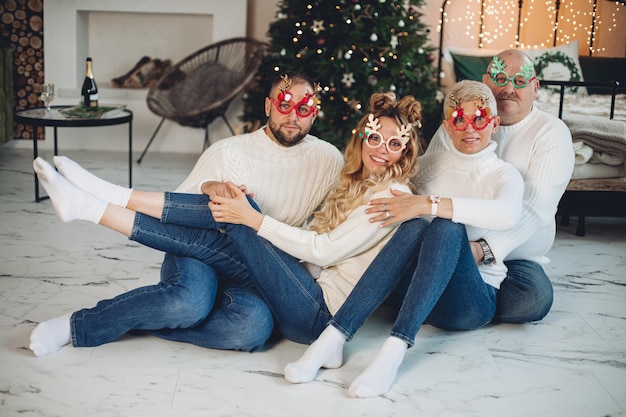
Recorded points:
(352,188)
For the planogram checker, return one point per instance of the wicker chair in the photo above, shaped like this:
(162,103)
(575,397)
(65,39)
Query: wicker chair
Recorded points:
(198,90)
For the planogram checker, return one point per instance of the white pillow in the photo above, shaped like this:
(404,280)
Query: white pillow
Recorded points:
(559,64)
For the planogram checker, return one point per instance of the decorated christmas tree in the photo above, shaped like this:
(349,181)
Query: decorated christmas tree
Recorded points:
(353,48)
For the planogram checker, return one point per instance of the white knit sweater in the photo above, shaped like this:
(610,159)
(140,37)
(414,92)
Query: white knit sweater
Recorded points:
(344,253)
(486,194)
(540,147)
(288,183)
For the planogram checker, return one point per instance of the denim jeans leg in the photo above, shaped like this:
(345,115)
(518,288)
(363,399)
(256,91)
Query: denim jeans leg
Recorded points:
(391,265)
(191,210)
(211,246)
(526,293)
(182,299)
(240,320)
(467,302)
(445,254)
(293,296)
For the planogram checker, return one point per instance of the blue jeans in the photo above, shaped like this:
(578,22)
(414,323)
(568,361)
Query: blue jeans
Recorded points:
(525,294)
(444,284)
(189,304)
(292,295)
(187,228)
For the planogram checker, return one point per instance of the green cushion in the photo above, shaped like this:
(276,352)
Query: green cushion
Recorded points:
(468,67)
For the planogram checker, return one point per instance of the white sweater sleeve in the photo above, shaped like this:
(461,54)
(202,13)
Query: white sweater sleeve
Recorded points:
(501,210)
(355,235)
(549,171)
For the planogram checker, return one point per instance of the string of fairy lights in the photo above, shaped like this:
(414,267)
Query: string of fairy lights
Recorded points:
(487,21)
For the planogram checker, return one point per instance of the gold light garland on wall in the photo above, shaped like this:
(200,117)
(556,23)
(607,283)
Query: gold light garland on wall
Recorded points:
(488,21)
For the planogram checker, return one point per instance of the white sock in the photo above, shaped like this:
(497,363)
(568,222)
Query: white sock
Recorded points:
(70,202)
(380,374)
(86,181)
(50,336)
(325,352)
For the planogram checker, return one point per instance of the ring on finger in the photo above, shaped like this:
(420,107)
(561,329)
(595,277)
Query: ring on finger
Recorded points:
(385,206)
(387,214)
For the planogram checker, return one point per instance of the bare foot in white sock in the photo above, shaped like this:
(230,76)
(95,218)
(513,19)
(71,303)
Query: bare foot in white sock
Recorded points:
(325,352)
(380,374)
(70,203)
(86,181)
(50,336)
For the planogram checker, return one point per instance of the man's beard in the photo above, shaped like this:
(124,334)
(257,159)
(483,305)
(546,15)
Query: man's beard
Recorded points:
(283,139)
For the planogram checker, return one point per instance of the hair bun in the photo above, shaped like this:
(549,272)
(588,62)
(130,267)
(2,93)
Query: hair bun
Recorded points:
(412,108)
(382,102)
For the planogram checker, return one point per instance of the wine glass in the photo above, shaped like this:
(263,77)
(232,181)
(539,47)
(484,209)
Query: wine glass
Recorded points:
(47,95)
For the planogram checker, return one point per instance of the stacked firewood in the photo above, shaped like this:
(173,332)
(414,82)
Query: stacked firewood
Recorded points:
(21,35)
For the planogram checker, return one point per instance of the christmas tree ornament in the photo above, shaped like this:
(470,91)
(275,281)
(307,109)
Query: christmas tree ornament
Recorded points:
(348,79)
(318,26)
(394,42)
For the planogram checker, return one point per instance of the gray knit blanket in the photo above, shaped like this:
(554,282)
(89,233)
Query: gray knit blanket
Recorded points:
(603,135)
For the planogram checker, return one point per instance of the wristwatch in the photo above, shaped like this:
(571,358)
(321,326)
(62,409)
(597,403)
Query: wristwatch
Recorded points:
(434,204)
(489,258)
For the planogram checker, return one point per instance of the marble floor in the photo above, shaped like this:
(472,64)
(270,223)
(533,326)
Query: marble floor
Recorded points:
(573,363)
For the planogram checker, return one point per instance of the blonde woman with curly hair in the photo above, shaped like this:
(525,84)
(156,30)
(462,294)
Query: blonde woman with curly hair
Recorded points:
(303,274)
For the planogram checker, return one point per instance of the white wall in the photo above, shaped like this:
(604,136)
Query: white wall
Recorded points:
(116,34)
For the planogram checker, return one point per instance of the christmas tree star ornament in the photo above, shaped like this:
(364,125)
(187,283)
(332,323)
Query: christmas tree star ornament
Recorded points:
(318,26)
(348,79)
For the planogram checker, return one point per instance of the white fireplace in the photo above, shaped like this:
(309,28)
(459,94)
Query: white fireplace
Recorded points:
(117,34)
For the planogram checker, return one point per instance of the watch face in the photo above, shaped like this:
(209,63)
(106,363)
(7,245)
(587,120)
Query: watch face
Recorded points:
(488,261)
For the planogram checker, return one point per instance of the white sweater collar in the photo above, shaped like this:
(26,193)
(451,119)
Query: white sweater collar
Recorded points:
(470,162)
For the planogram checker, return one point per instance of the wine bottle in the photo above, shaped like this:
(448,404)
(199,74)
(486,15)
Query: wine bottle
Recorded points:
(89,90)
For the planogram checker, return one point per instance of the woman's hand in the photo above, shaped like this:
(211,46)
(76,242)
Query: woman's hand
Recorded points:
(403,206)
(236,210)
